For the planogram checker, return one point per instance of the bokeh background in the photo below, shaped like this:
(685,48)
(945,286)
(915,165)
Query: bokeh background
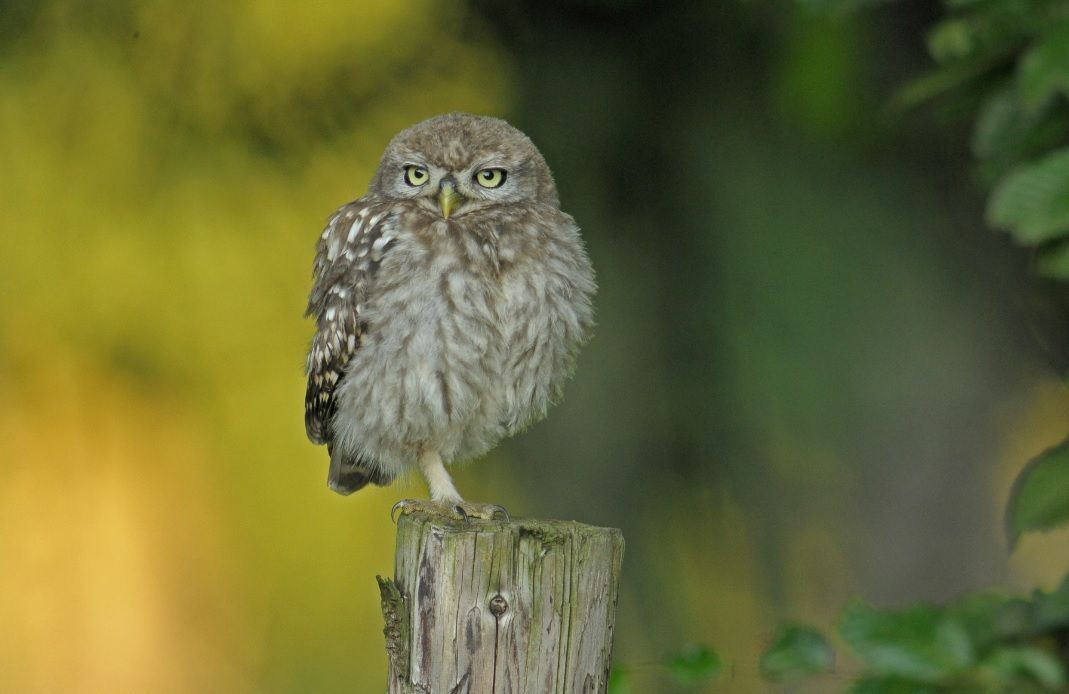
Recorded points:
(815,374)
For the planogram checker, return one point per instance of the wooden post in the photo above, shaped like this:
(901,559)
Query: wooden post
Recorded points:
(520,607)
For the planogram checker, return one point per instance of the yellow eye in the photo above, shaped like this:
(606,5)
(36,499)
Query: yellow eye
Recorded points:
(491,178)
(416,175)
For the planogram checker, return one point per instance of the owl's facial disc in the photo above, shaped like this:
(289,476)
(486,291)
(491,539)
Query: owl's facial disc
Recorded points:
(448,197)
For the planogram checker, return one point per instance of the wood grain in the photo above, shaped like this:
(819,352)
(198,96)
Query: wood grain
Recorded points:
(520,607)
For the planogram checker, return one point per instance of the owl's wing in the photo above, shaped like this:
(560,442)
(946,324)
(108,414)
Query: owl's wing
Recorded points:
(347,256)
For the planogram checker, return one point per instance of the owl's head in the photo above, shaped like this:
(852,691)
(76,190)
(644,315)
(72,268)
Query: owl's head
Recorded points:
(460,164)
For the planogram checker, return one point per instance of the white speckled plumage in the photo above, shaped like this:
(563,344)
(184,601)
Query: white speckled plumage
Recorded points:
(437,337)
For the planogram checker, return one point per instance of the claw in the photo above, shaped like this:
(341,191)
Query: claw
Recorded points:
(463,510)
(399,506)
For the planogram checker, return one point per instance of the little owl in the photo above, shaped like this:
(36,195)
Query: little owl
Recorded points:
(450,304)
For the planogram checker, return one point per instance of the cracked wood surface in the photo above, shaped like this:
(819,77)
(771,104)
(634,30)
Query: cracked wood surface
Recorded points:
(493,607)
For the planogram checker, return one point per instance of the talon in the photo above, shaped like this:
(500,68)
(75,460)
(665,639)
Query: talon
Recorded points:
(459,510)
(399,506)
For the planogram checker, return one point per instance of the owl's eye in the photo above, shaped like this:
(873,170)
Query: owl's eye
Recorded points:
(491,178)
(415,175)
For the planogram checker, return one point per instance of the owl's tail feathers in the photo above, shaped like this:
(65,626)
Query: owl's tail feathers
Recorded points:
(348,474)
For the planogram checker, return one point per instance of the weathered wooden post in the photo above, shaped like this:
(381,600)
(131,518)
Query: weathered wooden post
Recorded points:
(480,607)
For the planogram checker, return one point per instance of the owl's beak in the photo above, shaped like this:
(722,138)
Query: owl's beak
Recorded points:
(447,197)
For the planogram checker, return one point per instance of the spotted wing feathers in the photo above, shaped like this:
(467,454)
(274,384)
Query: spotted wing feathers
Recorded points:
(347,256)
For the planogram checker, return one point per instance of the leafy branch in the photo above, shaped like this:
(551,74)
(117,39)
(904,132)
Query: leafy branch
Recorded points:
(1008,64)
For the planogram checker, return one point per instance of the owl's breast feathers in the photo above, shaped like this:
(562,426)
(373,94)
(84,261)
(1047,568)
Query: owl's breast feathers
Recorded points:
(348,255)
(463,336)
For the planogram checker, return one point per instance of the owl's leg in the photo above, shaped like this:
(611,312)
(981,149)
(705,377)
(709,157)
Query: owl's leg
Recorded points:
(445,499)
(439,482)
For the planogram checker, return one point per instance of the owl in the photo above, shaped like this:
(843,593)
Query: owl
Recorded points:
(450,303)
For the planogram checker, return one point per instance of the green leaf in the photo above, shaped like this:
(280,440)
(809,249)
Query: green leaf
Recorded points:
(839,7)
(936,83)
(922,643)
(797,651)
(990,617)
(996,124)
(1032,202)
(1051,610)
(1044,70)
(1039,499)
(1011,665)
(891,685)
(619,681)
(696,665)
(1053,262)
(951,39)
(1005,134)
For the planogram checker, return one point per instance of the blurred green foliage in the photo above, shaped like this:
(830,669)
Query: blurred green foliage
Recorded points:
(619,681)
(691,668)
(815,375)
(696,665)
(985,642)
(166,169)
(797,651)
(1008,62)
(1012,60)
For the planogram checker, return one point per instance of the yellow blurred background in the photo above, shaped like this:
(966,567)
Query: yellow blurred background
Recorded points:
(165,169)
(164,524)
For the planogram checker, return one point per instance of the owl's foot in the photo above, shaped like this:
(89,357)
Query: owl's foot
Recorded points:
(445,500)
(487,512)
(457,509)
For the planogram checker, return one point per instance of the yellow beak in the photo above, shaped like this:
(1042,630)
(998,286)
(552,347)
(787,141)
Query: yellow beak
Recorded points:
(447,198)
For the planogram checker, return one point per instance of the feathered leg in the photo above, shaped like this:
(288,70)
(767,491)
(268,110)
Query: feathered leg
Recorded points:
(445,499)
(439,483)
